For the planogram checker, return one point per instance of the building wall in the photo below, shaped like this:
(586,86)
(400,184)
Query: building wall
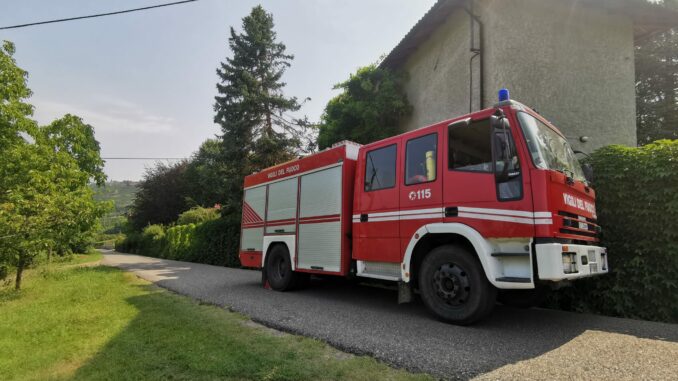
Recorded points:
(438,85)
(573,64)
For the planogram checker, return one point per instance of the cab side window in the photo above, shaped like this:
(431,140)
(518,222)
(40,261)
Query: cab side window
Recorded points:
(380,169)
(470,148)
(509,183)
(420,160)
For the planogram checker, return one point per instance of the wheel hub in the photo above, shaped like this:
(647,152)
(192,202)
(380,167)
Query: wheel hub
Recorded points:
(451,284)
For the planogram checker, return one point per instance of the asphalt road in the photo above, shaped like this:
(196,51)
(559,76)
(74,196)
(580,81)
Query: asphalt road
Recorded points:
(511,344)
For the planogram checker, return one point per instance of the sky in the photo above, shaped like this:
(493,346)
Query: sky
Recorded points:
(146,80)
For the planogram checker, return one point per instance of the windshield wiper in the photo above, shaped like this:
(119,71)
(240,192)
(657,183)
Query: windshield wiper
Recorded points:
(568,173)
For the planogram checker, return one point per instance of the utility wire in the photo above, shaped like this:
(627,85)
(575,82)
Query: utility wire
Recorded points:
(97,15)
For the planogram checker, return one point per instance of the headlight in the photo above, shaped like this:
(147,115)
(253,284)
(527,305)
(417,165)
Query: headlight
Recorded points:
(570,263)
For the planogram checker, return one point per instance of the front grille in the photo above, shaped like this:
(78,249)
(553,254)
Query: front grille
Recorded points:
(578,232)
(578,226)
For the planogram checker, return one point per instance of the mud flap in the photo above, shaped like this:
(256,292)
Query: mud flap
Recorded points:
(404,293)
(264,280)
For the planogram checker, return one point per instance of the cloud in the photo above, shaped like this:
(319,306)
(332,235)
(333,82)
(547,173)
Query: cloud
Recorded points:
(107,115)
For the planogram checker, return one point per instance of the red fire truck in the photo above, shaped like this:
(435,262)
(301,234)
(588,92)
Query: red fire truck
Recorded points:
(489,204)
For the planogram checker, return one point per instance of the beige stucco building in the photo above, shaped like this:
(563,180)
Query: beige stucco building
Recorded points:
(571,60)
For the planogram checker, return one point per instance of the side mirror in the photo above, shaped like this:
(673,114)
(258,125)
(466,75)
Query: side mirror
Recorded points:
(496,121)
(586,168)
(500,144)
(588,172)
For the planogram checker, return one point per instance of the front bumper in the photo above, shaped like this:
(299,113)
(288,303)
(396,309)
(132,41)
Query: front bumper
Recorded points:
(587,260)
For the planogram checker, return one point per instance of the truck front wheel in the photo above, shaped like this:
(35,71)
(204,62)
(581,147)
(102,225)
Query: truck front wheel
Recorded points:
(279,269)
(453,285)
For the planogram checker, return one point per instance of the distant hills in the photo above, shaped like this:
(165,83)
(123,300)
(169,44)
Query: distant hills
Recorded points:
(122,195)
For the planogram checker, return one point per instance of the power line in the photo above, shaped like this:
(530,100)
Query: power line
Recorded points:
(97,15)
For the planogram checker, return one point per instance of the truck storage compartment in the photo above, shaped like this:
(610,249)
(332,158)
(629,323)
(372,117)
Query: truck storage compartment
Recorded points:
(305,205)
(319,241)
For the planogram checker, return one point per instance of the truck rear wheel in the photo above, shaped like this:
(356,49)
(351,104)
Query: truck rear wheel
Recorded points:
(279,269)
(453,286)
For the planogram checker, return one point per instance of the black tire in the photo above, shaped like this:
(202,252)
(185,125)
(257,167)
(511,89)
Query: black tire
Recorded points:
(279,269)
(522,298)
(453,286)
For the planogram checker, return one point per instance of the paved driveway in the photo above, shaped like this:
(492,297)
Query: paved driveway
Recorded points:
(512,344)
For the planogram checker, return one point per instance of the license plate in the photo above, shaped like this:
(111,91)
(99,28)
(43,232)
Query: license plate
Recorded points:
(593,267)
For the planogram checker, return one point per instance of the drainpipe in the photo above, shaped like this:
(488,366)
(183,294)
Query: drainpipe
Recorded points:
(478,52)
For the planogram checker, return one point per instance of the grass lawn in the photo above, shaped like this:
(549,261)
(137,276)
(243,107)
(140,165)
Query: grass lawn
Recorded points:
(101,323)
(79,259)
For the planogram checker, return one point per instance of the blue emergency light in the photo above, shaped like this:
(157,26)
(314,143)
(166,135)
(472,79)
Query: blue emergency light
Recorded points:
(504,95)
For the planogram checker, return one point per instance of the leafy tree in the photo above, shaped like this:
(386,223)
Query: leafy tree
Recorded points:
(206,174)
(169,190)
(161,195)
(14,111)
(70,134)
(370,107)
(14,118)
(46,205)
(22,208)
(251,107)
(45,201)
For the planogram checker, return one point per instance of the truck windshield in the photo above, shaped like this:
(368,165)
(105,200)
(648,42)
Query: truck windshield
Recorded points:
(549,150)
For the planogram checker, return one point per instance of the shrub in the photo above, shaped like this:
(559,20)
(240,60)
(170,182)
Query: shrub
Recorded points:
(106,241)
(637,190)
(129,243)
(153,240)
(179,240)
(216,242)
(198,215)
(213,242)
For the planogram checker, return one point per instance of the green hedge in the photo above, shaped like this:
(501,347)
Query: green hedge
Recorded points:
(213,242)
(637,202)
(198,215)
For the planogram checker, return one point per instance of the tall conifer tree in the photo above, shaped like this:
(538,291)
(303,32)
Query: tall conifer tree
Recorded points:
(657,84)
(657,87)
(251,106)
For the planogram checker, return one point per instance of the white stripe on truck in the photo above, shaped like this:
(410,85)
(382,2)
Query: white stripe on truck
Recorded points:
(504,215)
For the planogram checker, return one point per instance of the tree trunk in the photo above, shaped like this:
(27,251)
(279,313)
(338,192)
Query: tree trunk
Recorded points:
(49,255)
(269,122)
(19,275)
(269,125)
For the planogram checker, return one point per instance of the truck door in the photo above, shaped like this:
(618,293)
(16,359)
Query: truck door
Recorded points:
(421,195)
(376,227)
(497,206)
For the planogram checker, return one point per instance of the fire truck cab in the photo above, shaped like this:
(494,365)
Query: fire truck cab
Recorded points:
(493,202)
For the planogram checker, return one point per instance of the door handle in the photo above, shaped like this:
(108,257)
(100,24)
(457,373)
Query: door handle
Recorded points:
(452,211)
(363,218)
